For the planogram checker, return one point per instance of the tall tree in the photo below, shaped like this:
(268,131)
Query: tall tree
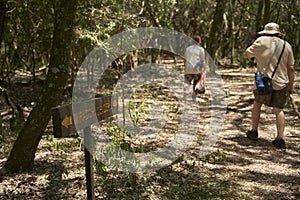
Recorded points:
(263,14)
(23,152)
(3,18)
(267,11)
(292,21)
(3,22)
(259,15)
(216,29)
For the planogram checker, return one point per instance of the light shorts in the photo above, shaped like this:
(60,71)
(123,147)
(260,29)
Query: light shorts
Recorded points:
(277,99)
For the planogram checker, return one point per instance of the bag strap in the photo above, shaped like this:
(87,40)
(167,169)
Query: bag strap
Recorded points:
(278,60)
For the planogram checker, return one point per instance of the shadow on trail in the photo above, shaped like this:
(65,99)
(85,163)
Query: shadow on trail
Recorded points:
(173,184)
(33,185)
(27,187)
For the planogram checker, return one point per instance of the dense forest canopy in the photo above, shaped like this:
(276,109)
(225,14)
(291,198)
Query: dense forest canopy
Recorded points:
(227,27)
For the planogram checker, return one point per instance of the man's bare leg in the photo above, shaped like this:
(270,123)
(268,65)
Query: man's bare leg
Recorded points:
(256,115)
(280,122)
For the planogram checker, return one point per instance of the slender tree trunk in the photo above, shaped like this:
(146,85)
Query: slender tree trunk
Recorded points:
(293,31)
(267,12)
(3,19)
(3,22)
(233,28)
(259,15)
(23,152)
(263,14)
(216,30)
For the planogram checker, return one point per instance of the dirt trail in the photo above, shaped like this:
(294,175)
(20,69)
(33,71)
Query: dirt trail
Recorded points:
(236,169)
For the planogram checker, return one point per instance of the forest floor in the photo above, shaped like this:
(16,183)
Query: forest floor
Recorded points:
(237,168)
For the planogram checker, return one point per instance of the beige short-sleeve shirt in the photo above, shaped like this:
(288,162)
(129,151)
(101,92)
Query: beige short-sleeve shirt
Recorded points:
(266,51)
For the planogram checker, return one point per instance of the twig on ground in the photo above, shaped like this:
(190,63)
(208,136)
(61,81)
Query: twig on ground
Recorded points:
(295,107)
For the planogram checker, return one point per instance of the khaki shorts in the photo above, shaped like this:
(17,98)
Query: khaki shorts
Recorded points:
(277,99)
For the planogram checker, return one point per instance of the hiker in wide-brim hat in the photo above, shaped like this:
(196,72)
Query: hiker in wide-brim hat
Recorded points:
(275,60)
(271,29)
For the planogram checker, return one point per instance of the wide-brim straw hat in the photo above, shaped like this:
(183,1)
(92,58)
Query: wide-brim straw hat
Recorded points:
(271,29)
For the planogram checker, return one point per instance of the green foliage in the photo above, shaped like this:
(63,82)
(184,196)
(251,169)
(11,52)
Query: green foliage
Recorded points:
(137,111)
(97,21)
(200,139)
(123,139)
(8,132)
(65,145)
(27,38)
(217,156)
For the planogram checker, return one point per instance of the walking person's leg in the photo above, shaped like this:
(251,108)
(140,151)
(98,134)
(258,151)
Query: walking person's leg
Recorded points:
(279,99)
(280,122)
(280,125)
(255,117)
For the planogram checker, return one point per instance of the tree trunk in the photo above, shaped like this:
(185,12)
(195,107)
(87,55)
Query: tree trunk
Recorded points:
(3,22)
(293,31)
(267,12)
(22,155)
(263,14)
(3,18)
(216,30)
(259,15)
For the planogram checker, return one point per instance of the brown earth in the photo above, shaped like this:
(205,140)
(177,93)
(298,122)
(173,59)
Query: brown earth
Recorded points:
(236,169)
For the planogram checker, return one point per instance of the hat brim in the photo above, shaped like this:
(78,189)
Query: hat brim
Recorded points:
(270,32)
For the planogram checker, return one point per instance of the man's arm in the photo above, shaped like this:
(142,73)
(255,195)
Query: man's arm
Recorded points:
(254,49)
(291,75)
(249,52)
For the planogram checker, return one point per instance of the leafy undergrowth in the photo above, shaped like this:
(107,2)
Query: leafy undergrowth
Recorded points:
(235,169)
